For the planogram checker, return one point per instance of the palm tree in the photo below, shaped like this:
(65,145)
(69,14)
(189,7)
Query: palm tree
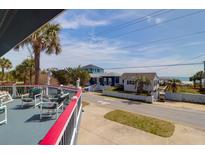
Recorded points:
(28,65)
(45,39)
(140,82)
(198,76)
(20,73)
(193,78)
(5,64)
(74,73)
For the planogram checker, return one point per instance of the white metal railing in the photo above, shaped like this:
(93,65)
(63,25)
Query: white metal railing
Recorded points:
(65,129)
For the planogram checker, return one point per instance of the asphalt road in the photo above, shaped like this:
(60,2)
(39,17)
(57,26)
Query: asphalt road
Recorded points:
(189,117)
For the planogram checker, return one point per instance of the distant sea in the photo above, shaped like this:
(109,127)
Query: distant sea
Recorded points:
(179,78)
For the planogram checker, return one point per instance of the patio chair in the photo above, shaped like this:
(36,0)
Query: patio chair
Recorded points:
(3,109)
(51,106)
(32,98)
(5,98)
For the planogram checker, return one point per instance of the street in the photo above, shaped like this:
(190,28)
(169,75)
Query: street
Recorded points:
(193,118)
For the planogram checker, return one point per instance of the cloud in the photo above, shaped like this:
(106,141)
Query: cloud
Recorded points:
(154,20)
(128,14)
(194,43)
(102,52)
(78,21)
(108,54)
(158,20)
(93,18)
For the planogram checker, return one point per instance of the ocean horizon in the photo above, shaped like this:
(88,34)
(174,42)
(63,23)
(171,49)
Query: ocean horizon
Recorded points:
(175,77)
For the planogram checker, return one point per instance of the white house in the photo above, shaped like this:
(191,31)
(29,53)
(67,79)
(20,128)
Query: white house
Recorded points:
(128,80)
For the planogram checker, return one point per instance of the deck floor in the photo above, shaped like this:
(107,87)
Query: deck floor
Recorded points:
(24,125)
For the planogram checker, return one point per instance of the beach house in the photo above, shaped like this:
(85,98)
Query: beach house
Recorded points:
(131,82)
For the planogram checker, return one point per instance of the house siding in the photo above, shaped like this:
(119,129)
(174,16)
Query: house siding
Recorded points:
(152,87)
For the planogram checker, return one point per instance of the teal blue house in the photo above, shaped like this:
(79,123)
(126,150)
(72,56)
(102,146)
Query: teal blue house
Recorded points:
(93,69)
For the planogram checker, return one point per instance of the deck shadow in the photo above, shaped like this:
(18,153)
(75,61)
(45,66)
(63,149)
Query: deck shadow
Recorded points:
(36,118)
(19,107)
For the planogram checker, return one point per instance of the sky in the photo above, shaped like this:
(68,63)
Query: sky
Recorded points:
(99,37)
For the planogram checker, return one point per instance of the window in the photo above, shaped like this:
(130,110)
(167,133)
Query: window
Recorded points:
(117,80)
(131,82)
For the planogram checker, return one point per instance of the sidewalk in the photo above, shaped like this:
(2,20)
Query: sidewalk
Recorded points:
(95,129)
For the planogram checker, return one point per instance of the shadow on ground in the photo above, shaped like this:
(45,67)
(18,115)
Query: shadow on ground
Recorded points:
(130,102)
(19,107)
(36,118)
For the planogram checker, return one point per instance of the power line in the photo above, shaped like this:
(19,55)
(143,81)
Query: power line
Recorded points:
(169,38)
(129,23)
(196,57)
(135,21)
(155,25)
(163,39)
(158,40)
(150,66)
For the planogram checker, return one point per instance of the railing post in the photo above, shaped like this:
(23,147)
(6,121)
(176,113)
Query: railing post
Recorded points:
(61,88)
(46,90)
(75,112)
(14,90)
(78,83)
(5,114)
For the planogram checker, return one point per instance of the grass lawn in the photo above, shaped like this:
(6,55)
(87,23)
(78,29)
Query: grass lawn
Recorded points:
(145,123)
(84,103)
(186,89)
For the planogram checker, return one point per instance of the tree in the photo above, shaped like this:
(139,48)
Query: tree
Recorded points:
(140,82)
(197,77)
(61,76)
(5,64)
(20,74)
(78,72)
(46,39)
(29,65)
(24,71)
(193,78)
(71,75)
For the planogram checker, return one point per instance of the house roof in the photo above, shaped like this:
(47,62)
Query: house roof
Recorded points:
(91,66)
(132,76)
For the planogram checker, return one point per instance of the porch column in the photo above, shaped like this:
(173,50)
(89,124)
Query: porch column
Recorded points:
(14,90)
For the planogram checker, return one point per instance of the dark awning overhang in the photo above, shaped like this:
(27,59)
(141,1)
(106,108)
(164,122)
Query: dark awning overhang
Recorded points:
(16,25)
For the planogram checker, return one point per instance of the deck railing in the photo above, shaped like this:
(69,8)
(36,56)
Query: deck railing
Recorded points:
(18,90)
(64,131)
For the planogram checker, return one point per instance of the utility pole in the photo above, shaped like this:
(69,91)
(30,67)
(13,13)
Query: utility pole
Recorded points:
(204,66)
(203,79)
